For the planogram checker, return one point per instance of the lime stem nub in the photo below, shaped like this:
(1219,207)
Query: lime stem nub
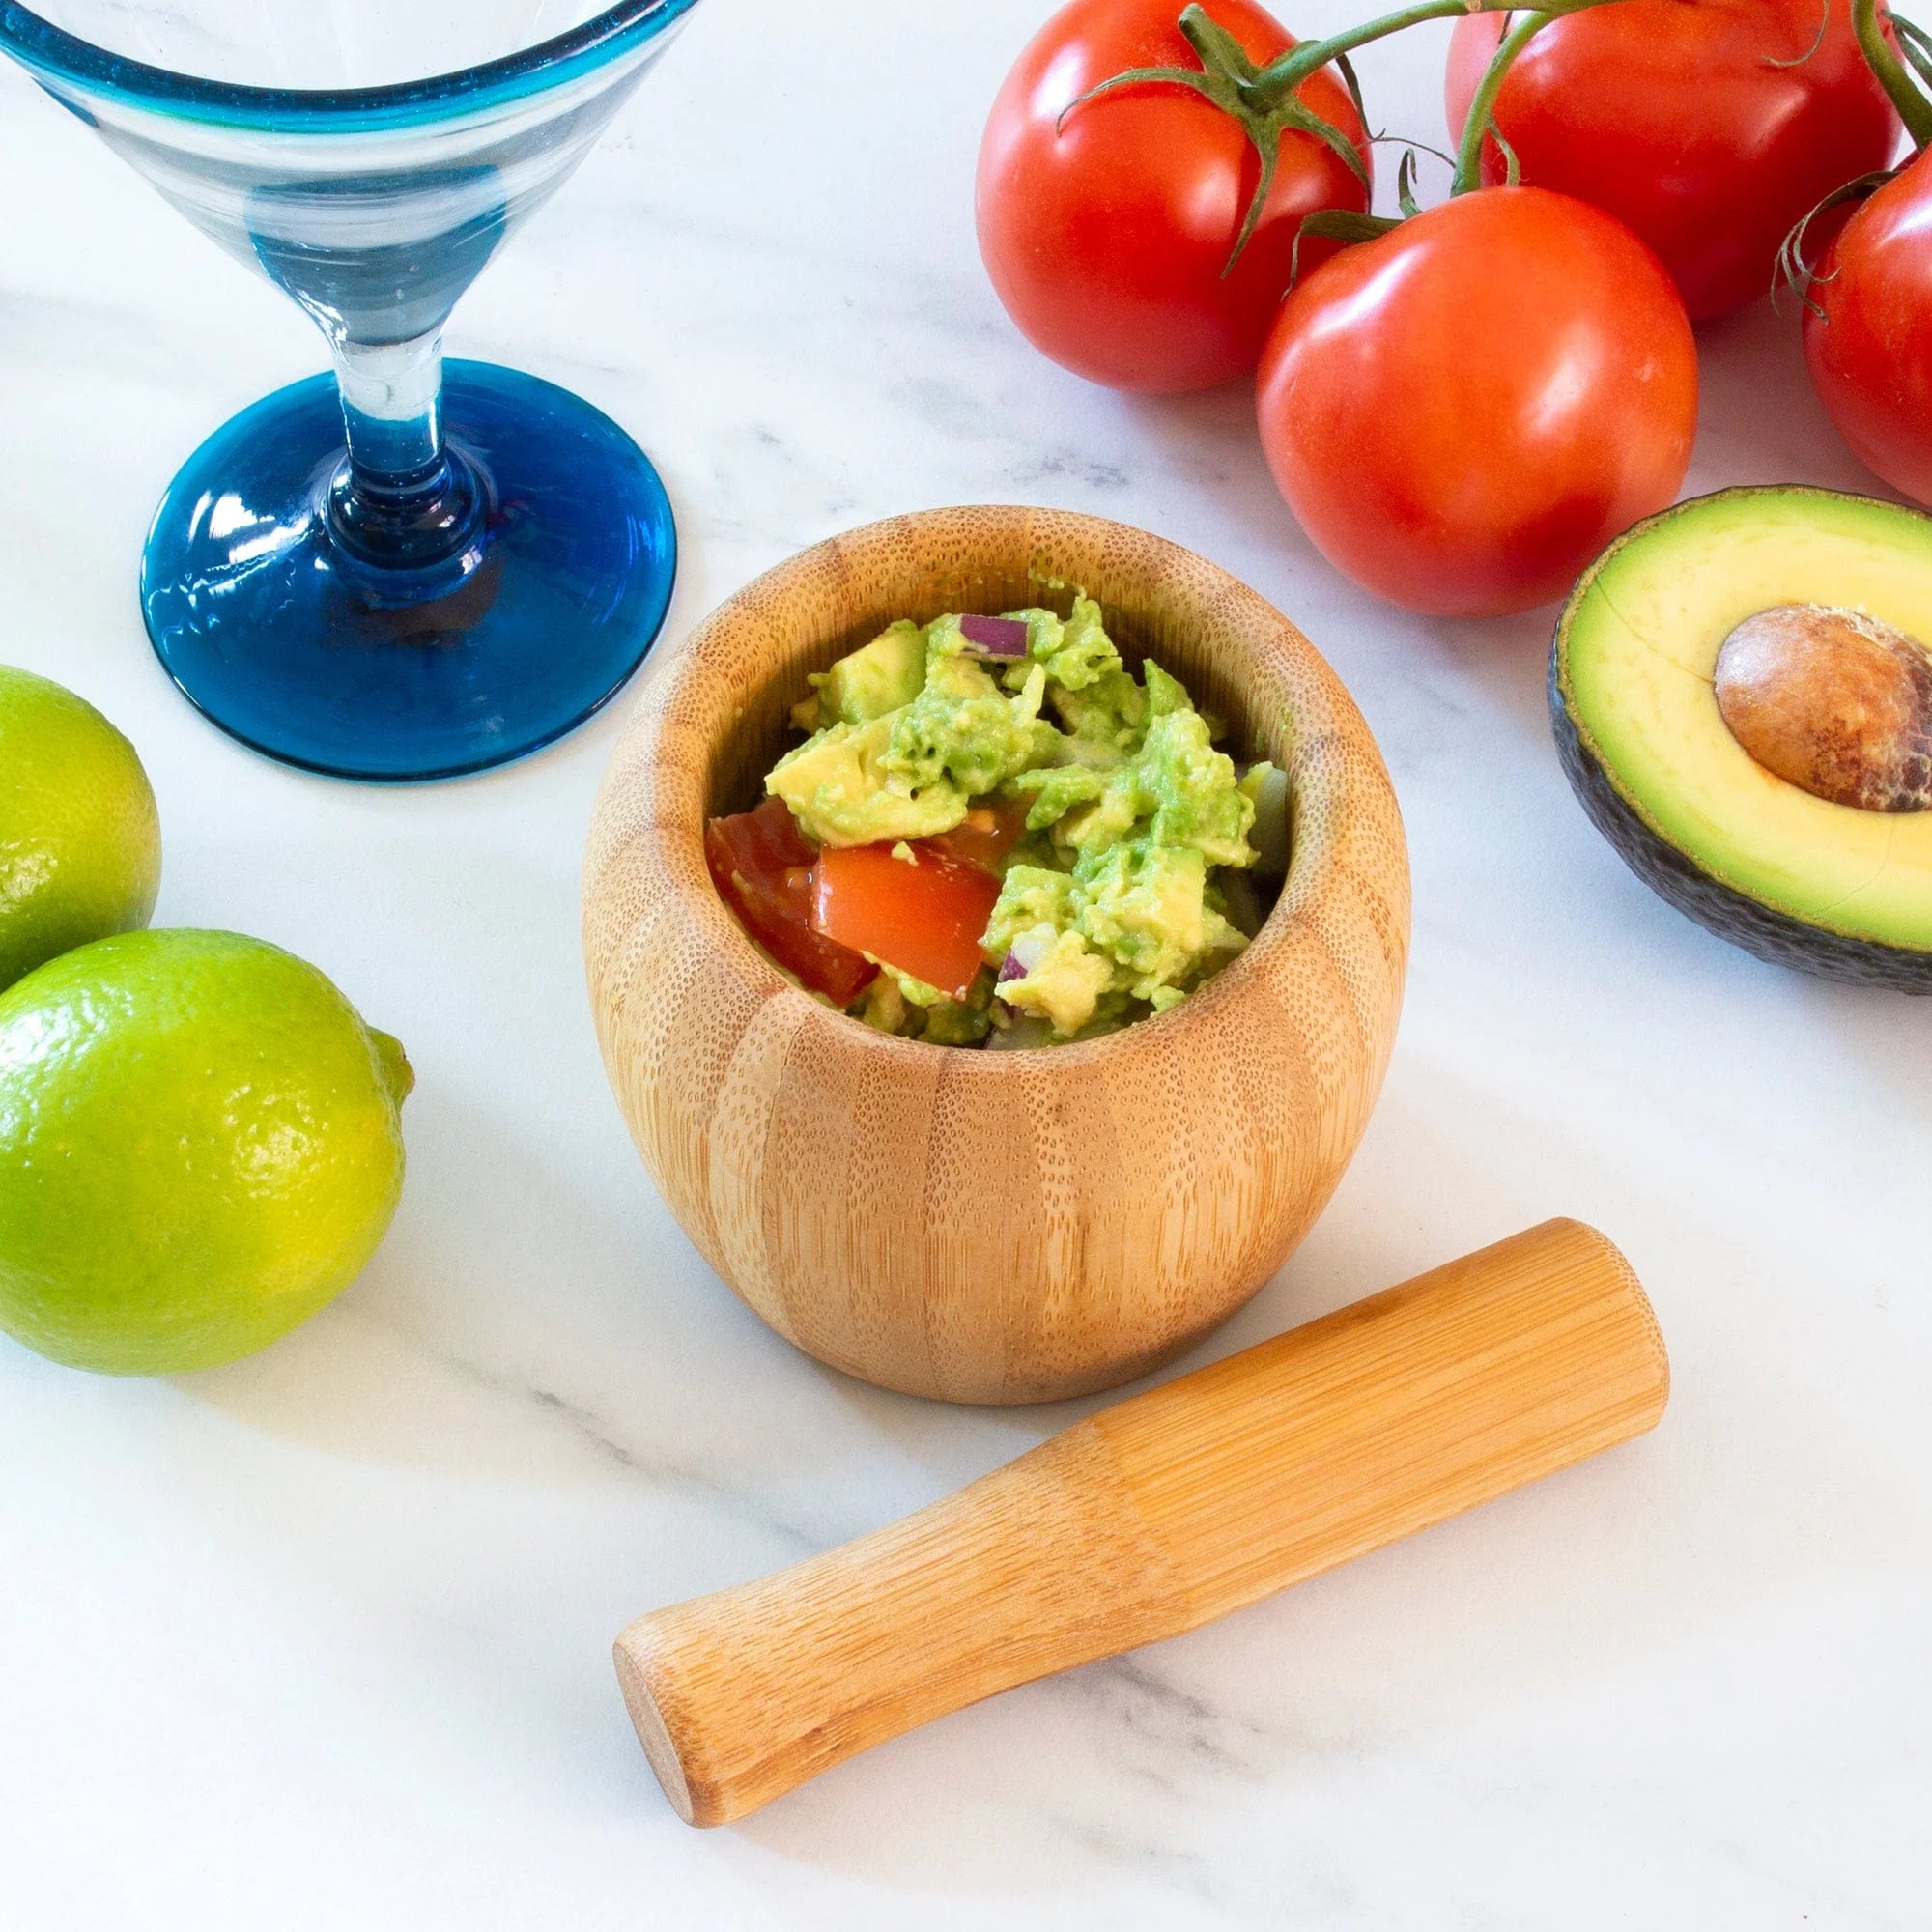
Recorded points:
(398,1075)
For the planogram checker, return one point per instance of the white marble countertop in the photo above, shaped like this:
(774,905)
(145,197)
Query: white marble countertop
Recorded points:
(322,1640)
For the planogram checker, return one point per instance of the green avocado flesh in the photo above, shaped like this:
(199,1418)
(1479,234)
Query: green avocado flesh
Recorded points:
(1127,885)
(1831,887)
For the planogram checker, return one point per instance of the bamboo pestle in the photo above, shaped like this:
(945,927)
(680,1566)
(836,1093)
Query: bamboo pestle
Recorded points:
(1155,1515)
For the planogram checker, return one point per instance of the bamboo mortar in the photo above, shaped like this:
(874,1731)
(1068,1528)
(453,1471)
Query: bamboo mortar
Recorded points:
(1155,1515)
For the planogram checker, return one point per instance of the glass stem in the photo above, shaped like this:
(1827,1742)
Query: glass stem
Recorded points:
(392,406)
(402,501)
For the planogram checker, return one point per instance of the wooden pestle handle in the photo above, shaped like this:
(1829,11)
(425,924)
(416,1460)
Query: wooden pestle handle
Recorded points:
(1155,1515)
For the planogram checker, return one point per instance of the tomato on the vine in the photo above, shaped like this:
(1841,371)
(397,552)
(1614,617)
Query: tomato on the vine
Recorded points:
(1107,229)
(1464,411)
(1868,330)
(1708,126)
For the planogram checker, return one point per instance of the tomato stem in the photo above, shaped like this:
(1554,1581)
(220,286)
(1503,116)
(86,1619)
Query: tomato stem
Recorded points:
(1287,72)
(1915,109)
(1481,124)
(1284,73)
(1794,266)
(1228,79)
(1263,99)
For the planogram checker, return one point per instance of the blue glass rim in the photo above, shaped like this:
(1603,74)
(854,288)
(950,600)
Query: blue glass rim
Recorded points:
(58,58)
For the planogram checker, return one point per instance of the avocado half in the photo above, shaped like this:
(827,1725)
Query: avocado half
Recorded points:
(1778,866)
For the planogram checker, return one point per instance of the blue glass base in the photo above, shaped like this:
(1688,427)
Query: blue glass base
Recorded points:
(290,642)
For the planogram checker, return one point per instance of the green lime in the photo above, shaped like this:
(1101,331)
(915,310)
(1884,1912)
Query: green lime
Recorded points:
(200,1145)
(80,843)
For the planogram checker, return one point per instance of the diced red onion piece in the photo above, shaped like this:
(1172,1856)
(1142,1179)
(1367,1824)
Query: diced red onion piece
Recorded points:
(1024,955)
(995,637)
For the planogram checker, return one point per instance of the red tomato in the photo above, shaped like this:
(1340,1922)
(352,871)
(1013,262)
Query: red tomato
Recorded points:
(984,835)
(925,915)
(1870,349)
(761,864)
(1463,412)
(1700,123)
(1106,236)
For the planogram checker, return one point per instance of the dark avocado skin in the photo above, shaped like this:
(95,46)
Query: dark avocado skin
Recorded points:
(1771,935)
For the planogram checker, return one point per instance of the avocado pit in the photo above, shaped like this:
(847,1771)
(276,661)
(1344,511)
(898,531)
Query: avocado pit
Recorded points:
(1832,701)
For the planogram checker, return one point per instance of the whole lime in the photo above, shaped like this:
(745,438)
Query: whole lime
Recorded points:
(200,1145)
(80,842)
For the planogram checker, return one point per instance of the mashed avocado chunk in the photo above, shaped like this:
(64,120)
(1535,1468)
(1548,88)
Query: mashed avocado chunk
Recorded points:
(842,792)
(1115,900)
(874,679)
(961,729)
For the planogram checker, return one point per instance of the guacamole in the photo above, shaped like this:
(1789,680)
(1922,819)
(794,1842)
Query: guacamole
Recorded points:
(1019,761)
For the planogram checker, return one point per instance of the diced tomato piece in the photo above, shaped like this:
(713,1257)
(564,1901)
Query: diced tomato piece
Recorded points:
(984,835)
(761,864)
(925,915)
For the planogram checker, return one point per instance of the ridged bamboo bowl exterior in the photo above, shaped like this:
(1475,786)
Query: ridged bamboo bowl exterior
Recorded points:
(976,1226)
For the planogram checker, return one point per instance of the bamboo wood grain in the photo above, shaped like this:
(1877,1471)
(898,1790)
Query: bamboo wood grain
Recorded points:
(1156,1515)
(991,1227)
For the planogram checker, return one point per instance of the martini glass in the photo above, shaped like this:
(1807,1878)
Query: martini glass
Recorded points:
(410,569)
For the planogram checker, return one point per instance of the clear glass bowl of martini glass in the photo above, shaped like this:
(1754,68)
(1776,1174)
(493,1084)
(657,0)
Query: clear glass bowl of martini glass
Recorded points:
(407,570)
